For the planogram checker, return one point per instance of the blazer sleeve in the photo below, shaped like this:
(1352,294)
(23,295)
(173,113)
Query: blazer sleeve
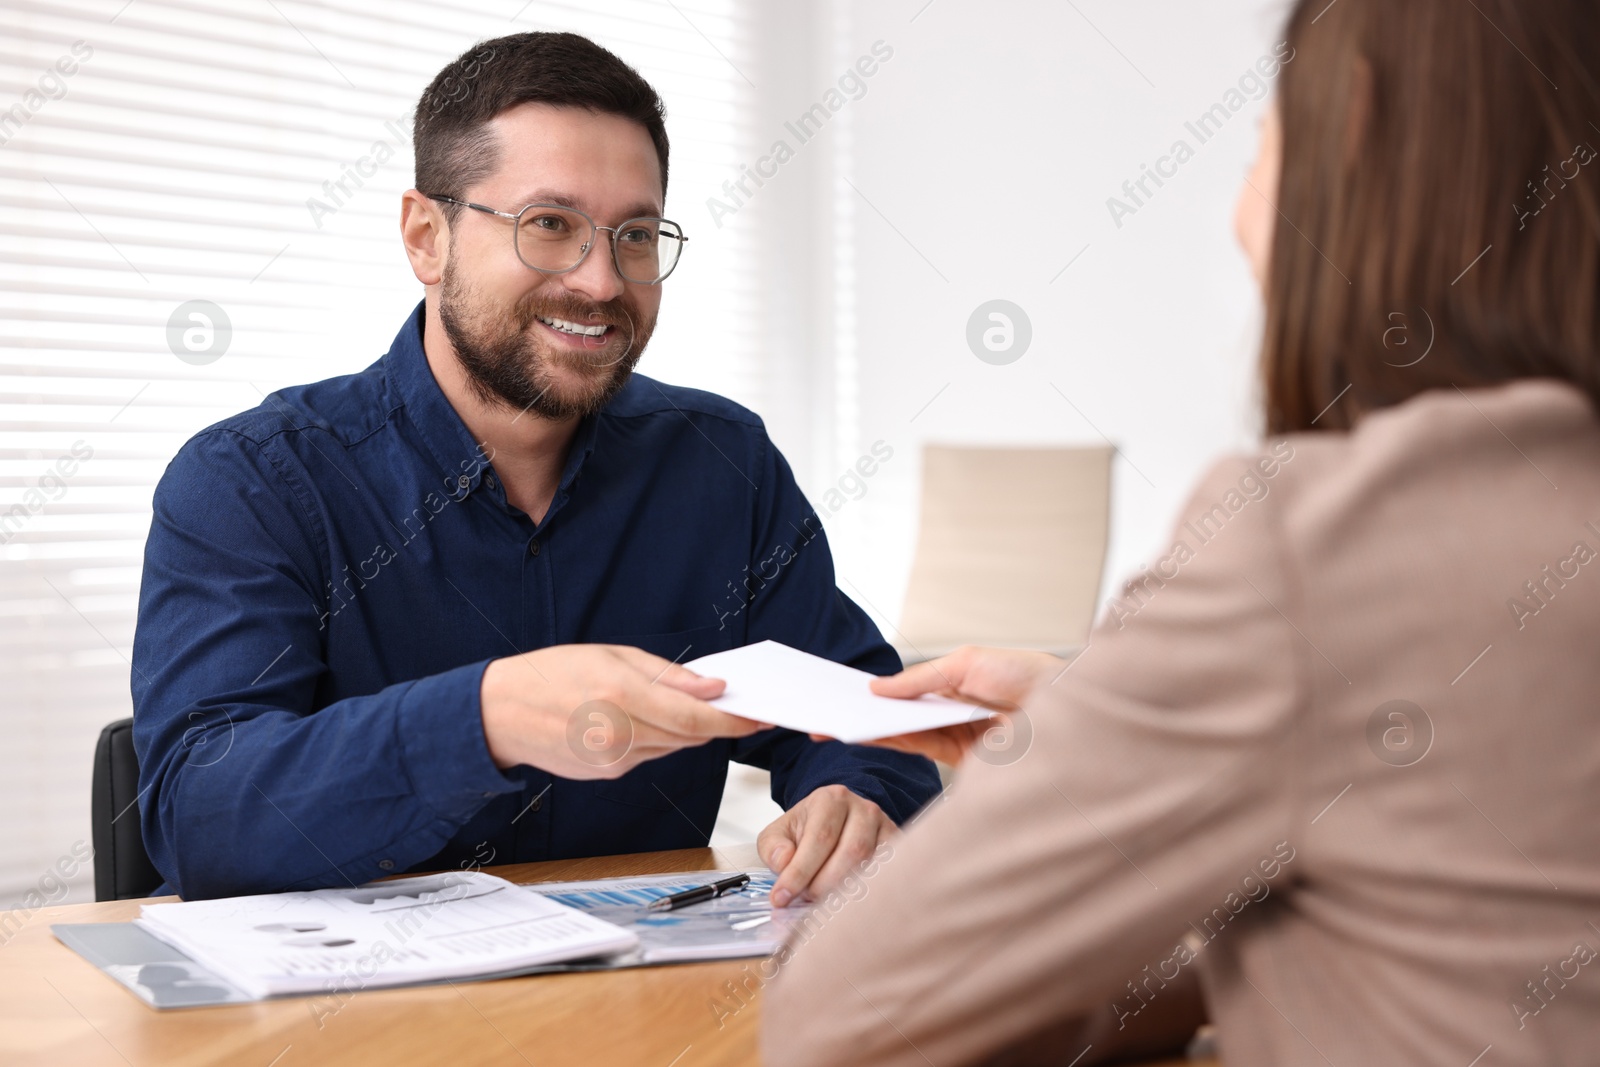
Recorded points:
(1071,876)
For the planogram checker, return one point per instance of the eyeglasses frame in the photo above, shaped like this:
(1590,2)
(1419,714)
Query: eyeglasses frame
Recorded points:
(588,245)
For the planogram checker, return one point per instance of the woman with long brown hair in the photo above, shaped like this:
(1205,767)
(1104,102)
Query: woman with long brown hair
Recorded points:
(1334,754)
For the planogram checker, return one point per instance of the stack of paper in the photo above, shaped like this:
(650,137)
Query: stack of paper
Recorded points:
(461,924)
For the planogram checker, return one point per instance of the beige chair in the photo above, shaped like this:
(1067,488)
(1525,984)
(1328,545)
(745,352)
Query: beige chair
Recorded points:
(1010,549)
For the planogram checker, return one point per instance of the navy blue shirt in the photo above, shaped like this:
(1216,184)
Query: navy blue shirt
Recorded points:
(328,574)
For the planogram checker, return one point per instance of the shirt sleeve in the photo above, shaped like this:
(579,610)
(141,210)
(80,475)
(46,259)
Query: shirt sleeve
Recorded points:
(1075,876)
(795,601)
(247,785)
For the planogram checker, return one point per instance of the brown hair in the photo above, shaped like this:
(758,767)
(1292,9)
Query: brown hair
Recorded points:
(1416,135)
(453,146)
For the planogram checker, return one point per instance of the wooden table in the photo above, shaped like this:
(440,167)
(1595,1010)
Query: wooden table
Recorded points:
(57,1009)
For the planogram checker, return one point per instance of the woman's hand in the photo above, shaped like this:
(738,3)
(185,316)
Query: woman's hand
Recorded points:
(993,678)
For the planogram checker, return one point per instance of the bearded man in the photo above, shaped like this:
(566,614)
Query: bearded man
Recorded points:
(434,612)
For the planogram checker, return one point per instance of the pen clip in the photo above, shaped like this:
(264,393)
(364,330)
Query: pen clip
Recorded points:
(728,885)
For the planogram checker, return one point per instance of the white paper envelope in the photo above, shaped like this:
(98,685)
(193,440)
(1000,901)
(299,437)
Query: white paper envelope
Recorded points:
(771,682)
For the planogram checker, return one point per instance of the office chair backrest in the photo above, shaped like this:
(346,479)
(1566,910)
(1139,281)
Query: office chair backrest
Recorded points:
(122,869)
(1010,548)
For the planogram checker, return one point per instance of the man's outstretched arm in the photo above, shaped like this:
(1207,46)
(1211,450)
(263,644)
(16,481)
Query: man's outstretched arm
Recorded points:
(245,785)
(249,784)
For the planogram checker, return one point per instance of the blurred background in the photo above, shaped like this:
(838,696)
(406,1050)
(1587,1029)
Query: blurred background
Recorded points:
(250,154)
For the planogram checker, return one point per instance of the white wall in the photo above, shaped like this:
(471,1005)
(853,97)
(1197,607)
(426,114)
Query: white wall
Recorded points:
(991,141)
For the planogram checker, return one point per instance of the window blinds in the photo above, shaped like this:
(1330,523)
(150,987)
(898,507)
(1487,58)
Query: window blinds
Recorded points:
(159,153)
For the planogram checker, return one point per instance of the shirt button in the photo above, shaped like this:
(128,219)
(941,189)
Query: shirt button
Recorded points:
(489,480)
(463,481)
(386,865)
(533,547)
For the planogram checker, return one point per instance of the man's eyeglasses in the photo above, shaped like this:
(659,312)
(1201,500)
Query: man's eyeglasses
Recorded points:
(553,239)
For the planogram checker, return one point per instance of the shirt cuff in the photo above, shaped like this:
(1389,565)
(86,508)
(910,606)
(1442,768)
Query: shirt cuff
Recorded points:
(446,756)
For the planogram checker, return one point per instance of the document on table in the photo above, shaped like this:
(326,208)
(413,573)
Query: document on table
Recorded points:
(741,923)
(771,682)
(460,924)
(282,945)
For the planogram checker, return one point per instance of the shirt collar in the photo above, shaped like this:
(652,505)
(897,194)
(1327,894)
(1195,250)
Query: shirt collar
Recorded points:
(443,434)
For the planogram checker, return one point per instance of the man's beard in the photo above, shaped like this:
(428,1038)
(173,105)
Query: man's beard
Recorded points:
(509,364)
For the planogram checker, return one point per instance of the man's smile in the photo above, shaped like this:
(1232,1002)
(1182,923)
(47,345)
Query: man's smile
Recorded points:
(575,334)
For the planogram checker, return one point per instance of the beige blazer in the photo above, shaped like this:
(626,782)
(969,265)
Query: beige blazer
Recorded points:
(1335,752)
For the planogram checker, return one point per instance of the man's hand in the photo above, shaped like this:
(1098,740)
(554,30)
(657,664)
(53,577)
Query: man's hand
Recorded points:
(816,843)
(598,711)
(996,678)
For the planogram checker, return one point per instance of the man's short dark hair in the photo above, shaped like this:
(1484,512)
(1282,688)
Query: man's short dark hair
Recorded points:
(454,148)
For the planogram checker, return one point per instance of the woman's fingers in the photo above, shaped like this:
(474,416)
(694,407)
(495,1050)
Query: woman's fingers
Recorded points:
(940,675)
(948,744)
(993,677)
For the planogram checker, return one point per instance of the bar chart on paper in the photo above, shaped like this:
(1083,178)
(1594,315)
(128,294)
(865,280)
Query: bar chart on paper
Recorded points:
(741,923)
(640,892)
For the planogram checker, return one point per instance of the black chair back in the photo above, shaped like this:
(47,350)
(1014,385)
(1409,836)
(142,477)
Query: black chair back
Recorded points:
(122,869)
